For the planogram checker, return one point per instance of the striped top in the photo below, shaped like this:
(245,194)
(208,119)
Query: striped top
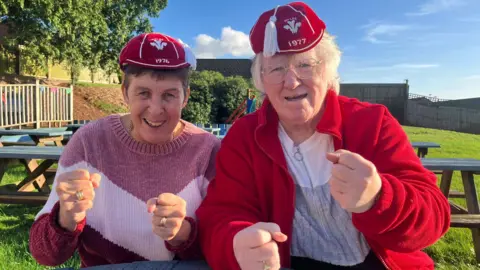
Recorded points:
(322,229)
(118,228)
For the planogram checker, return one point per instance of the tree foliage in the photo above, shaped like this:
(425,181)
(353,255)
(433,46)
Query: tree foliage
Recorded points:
(77,32)
(214,97)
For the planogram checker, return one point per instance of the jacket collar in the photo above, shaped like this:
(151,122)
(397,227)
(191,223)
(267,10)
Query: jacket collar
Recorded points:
(266,133)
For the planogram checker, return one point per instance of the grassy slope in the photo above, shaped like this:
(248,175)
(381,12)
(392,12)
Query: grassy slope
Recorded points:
(453,251)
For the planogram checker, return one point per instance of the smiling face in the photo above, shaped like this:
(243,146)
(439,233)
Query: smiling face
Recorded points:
(296,94)
(156,101)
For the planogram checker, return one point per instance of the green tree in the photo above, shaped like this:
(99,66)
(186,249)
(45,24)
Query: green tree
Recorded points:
(201,96)
(79,33)
(125,18)
(229,94)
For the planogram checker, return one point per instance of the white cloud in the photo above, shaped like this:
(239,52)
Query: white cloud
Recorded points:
(231,42)
(376,31)
(405,66)
(434,6)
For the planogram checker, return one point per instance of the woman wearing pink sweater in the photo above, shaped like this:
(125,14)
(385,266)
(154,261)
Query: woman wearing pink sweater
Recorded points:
(127,187)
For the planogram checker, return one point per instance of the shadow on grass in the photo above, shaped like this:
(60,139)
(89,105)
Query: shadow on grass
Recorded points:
(15,224)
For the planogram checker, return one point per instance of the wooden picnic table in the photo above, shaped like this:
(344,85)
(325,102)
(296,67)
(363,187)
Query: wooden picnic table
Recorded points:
(422,147)
(39,136)
(158,265)
(213,130)
(461,217)
(74,127)
(22,193)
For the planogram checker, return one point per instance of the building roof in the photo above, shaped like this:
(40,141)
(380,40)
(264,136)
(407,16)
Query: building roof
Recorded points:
(228,67)
(469,103)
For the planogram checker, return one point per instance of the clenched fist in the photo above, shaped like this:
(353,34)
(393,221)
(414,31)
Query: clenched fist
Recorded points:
(355,183)
(75,192)
(168,220)
(255,247)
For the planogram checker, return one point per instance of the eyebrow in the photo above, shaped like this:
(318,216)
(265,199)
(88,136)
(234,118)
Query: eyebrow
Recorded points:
(142,88)
(172,89)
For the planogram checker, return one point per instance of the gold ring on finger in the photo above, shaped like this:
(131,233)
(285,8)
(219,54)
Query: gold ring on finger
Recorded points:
(79,195)
(163,222)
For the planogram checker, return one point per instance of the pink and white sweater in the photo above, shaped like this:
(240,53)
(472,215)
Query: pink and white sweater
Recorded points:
(118,228)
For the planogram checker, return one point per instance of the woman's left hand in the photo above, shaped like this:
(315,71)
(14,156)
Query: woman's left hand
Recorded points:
(168,219)
(355,183)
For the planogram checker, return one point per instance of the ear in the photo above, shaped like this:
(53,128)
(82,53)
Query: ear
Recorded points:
(185,99)
(125,93)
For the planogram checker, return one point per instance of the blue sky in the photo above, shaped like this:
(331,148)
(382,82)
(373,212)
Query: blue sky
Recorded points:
(435,44)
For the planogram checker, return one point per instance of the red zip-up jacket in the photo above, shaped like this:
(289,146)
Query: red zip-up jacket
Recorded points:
(252,184)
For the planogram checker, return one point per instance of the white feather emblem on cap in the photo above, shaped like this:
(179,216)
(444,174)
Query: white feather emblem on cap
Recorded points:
(270,42)
(189,55)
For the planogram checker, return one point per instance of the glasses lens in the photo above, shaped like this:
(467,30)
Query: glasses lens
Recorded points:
(305,68)
(274,74)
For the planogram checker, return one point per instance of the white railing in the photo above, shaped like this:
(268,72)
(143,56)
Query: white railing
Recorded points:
(34,104)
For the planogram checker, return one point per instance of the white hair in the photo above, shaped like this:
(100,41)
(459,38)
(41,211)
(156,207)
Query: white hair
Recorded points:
(326,50)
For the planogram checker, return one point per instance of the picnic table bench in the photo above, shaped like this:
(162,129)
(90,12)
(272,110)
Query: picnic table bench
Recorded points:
(74,127)
(157,265)
(23,192)
(422,147)
(40,137)
(461,217)
(212,130)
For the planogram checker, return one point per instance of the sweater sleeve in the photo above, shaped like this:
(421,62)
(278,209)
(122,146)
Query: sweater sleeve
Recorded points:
(191,249)
(49,243)
(411,213)
(231,204)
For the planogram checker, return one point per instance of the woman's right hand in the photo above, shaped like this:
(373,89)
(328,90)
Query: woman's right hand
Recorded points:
(75,191)
(255,247)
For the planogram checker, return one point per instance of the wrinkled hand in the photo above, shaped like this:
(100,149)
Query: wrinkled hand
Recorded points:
(169,213)
(256,246)
(75,191)
(354,183)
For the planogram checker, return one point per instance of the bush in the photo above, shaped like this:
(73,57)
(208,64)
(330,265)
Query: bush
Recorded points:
(213,97)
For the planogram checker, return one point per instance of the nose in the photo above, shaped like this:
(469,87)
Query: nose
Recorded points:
(157,105)
(291,80)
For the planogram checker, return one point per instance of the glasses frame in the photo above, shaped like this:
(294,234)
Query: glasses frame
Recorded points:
(315,63)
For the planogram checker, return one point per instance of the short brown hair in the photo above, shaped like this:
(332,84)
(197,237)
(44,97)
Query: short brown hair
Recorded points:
(182,74)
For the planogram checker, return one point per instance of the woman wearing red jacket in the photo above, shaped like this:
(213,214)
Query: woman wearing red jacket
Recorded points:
(314,180)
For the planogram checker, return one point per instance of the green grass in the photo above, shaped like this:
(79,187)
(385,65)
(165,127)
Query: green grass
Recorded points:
(15,222)
(103,85)
(109,108)
(453,251)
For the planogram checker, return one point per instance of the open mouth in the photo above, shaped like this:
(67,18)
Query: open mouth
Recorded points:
(297,97)
(153,124)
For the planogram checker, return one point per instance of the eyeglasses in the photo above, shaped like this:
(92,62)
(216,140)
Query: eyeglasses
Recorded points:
(303,69)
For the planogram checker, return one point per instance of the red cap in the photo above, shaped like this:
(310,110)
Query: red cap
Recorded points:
(157,51)
(291,28)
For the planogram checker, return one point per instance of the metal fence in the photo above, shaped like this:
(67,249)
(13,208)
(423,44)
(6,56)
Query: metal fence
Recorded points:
(35,104)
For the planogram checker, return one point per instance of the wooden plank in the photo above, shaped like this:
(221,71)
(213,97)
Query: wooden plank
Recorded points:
(425,145)
(453,164)
(35,175)
(472,207)
(465,221)
(30,152)
(445,182)
(36,132)
(32,198)
(456,194)
(457,209)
